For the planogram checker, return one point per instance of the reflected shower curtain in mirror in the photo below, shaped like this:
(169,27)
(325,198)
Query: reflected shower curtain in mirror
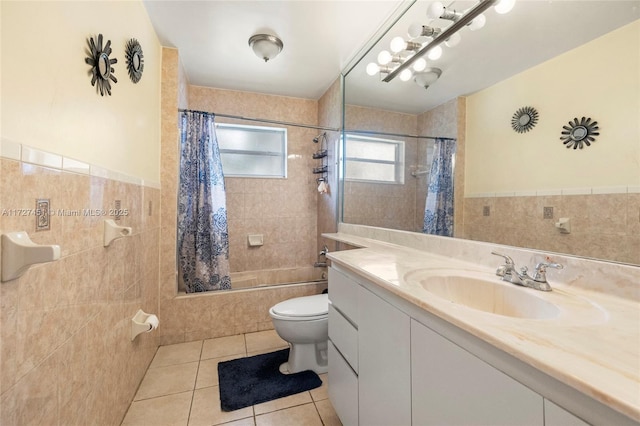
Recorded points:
(203,238)
(438,211)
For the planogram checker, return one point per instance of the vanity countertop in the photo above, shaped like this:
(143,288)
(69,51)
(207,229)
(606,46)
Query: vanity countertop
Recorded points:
(593,346)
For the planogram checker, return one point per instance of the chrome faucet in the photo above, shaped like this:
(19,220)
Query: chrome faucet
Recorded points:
(508,273)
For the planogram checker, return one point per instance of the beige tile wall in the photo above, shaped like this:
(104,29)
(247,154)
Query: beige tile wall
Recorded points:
(605,226)
(383,205)
(330,115)
(254,206)
(65,325)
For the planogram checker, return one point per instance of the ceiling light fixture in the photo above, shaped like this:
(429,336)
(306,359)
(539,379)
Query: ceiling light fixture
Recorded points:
(427,77)
(399,64)
(265,46)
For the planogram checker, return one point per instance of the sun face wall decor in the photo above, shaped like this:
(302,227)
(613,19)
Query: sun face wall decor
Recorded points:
(102,72)
(579,133)
(135,60)
(524,119)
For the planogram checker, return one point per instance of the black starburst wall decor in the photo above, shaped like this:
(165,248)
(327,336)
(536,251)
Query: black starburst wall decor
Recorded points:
(579,133)
(135,60)
(524,119)
(101,69)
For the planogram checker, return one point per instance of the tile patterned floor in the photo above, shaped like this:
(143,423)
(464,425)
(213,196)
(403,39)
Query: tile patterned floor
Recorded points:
(181,388)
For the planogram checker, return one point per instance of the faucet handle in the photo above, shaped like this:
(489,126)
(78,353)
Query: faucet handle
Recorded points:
(541,270)
(507,260)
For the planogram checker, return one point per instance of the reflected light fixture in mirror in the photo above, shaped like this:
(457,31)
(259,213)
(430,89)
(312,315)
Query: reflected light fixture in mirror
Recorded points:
(417,47)
(265,46)
(427,77)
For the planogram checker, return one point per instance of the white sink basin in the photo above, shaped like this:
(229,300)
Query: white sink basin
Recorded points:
(486,293)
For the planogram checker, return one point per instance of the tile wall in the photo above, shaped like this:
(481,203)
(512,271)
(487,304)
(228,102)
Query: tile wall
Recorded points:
(603,226)
(383,205)
(330,115)
(65,325)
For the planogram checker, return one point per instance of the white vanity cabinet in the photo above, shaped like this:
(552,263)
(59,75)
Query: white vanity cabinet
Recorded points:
(387,368)
(450,386)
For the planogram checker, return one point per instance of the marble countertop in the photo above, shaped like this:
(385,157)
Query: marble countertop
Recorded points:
(593,345)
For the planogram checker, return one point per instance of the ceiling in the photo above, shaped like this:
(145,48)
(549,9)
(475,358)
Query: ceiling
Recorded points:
(322,37)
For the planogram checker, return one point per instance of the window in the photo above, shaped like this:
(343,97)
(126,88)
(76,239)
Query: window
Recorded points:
(252,151)
(374,160)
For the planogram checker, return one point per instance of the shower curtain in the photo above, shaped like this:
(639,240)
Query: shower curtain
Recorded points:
(438,212)
(203,238)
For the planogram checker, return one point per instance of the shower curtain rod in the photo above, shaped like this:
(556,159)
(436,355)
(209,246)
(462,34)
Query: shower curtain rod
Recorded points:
(262,120)
(367,132)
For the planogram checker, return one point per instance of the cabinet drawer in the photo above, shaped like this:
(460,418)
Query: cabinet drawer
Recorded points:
(344,336)
(343,388)
(343,293)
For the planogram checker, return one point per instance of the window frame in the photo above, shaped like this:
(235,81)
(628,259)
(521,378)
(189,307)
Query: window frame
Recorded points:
(398,162)
(264,153)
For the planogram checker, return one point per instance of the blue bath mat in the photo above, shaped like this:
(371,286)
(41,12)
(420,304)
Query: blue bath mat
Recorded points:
(248,381)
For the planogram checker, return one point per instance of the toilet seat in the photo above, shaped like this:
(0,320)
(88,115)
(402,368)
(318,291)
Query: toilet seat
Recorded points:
(306,308)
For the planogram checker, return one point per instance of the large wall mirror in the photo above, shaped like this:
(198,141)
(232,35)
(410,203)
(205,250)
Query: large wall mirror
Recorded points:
(562,59)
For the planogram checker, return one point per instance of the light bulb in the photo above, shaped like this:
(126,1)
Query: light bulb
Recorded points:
(415,30)
(406,75)
(419,65)
(435,10)
(384,57)
(504,6)
(453,41)
(435,53)
(477,23)
(373,68)
(398,44)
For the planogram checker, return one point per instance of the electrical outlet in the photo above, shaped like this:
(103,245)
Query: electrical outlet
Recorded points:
(547,213)
(486,211)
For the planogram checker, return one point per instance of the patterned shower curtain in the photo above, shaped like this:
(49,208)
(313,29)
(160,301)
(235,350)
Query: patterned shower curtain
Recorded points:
(438,212)
(203,238)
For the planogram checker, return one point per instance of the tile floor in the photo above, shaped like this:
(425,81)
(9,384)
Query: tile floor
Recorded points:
(181,388)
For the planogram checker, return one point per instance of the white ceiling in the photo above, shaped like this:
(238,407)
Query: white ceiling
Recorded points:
(321,37)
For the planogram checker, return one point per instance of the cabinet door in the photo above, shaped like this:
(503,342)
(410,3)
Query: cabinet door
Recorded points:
(384,375)
(450,386)
(558,416)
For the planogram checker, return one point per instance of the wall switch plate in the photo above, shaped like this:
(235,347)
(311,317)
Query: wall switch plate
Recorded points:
(486,211)
(118,206)
(42,214)
(547,213)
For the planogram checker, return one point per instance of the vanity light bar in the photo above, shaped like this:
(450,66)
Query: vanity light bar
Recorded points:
(443,36)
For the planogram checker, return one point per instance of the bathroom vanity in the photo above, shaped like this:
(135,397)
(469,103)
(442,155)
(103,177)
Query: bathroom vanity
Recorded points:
(407,348)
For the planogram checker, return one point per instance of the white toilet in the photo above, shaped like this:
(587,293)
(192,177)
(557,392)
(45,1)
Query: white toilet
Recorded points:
(304,323)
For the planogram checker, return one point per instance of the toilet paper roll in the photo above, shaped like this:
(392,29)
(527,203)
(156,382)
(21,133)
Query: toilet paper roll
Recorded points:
(153,321)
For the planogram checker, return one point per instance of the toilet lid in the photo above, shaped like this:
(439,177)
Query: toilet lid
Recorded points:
(306,306)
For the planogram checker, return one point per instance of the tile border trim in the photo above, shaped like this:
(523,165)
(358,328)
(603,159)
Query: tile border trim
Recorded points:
(15,151)
(598,190)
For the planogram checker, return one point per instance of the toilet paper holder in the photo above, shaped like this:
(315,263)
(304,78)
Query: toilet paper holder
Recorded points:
(143,322)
